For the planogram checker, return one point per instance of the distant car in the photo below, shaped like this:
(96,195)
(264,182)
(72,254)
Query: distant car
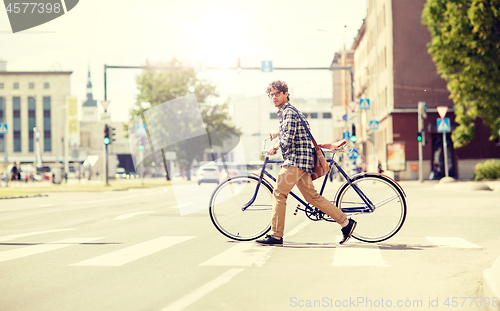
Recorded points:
(120,173)
(231,172)
(208,174)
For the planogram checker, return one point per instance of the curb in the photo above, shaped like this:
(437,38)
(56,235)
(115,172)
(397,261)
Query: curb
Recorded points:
(491,284)
(23,196)
(463,185)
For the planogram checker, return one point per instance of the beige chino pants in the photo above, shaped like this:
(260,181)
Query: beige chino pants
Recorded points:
(288,177)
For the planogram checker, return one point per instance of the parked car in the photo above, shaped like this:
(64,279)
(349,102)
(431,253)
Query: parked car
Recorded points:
(208,174)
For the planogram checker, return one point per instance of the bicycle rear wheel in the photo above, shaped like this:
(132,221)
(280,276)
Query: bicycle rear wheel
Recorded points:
(390,207)
(227,208)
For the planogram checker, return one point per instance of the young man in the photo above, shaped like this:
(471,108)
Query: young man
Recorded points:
(298,156)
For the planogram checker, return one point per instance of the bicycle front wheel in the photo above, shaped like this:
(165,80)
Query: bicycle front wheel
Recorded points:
(228,212)
(390,207)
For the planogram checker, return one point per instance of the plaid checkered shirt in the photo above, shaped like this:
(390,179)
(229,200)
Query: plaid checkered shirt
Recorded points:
(294,142)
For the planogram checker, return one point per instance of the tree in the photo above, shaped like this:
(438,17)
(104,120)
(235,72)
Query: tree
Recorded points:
(159,86)
(465,46)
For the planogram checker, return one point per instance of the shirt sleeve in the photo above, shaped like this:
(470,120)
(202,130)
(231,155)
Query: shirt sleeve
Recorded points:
(287,134)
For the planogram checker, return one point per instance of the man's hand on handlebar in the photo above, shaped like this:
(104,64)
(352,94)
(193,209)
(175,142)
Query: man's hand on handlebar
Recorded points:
(273,149)
(273,135)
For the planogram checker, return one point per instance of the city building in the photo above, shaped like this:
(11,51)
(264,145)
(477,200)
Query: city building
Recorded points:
(30,99)
(394,71)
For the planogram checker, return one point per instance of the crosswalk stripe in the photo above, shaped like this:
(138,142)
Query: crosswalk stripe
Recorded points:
(202,291)
(42,248)
(452,242)
(358,255)
(15,236)
(242,254)
(134,252)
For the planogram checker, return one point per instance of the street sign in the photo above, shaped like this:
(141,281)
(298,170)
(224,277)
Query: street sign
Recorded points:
(373,125)
(267,66)
(364,104)
(346,135)
(443,125)
(354,154)
(442,110)
(3,128)
(344,117)
(140,130)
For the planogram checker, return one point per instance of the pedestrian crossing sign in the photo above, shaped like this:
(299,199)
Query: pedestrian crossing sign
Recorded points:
(364,104)
(443,125)
(3,128)
(267,66)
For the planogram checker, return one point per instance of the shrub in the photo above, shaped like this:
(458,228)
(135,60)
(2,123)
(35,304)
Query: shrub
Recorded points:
(489,169)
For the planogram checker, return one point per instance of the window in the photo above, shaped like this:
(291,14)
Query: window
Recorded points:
(46,85)
(32,85)
(327,115)
(47,134)
(1,85)
(306,115)
(16,86)
(314,115)
(16,109)
(31,121)
(273,115)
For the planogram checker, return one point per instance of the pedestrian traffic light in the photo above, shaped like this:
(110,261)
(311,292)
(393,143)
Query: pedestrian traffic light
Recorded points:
(419,136)
(106,139)
(142,143)
(353,134)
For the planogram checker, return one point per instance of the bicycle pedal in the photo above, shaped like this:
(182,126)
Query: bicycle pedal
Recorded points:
(296,210)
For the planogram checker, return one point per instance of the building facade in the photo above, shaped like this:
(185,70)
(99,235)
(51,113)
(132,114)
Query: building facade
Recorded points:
(30,99)
(394,71)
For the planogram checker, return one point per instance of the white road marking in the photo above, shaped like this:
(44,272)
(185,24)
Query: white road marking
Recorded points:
(16,236)
(452,242)
(358,255)
(42,248)
(126,216)
(202,291)
(297,228)
(134,252)
(242,254)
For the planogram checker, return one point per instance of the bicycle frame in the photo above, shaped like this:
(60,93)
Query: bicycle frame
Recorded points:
(367,208)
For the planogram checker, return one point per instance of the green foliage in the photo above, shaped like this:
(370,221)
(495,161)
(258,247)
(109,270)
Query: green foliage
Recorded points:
(489,169)
(159,86)
(465,46)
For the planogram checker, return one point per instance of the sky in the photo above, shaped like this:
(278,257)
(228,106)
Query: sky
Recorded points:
(127,33)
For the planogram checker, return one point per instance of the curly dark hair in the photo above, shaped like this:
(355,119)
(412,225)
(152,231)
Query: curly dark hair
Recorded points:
(280,86)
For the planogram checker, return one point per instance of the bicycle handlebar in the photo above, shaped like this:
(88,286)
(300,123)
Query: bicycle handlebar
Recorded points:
(348,147)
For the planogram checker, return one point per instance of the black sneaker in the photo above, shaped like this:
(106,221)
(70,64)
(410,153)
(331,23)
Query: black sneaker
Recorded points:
(270,240)
(348,230)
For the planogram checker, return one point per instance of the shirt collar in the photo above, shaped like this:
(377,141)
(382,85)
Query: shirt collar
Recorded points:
(280,111)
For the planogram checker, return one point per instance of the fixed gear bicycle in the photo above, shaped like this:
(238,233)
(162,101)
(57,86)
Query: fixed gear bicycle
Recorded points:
(241,206)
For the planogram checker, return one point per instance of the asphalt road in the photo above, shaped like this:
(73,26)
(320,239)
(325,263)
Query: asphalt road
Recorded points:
(132,250)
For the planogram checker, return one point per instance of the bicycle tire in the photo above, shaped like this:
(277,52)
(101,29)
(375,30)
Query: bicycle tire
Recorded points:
(226,208)
(390,206)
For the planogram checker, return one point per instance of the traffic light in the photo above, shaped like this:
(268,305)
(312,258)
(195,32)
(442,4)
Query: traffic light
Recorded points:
(419,136)
(142,143)
(112,134)
(423,137)
(353,134)
(106,139)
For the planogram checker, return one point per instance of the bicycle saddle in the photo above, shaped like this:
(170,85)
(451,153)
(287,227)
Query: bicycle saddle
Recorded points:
(334,145)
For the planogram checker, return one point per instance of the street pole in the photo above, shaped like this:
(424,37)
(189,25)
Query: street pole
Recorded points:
(420,147)
(445,150)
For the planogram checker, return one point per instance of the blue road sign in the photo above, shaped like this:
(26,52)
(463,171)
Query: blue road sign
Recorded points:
(354,154)
(346,135)
(344,117)
(3,128)
(443,125)
(267,66)
(364,104)
(140,130)
(373,125)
